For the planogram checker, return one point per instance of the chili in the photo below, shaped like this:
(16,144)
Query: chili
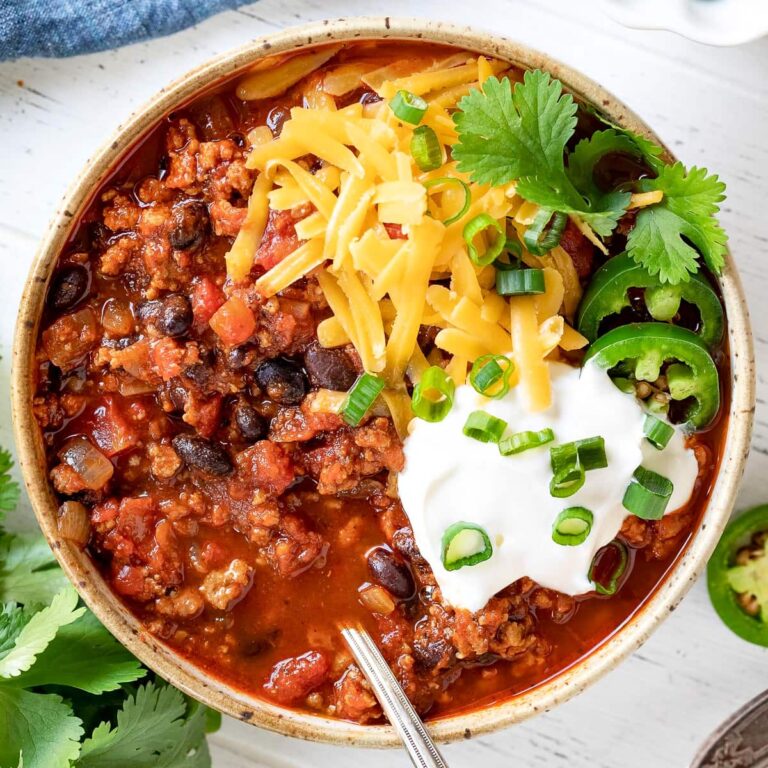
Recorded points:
(609,293)
(646,347)
(737,576)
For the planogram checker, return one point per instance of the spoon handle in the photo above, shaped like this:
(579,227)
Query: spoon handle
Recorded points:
(411,730)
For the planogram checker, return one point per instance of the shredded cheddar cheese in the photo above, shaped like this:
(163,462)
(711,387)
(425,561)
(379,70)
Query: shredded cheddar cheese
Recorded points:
(375,239)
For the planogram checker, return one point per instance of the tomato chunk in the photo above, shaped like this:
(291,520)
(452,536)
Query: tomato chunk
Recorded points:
(293,679)
(111,430)
(207,297)
(233,322)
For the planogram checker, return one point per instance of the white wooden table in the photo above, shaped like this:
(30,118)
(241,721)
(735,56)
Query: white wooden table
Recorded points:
(711,105)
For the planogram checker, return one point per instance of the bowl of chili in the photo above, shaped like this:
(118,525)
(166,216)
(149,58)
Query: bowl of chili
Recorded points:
(158,400)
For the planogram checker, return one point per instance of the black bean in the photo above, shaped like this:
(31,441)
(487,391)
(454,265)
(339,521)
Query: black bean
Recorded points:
(177,396)
(430,654)
(190,224)
(329,368)
(171,315)
(260,644)
(199,453)
(393,574)
(68,287)
(275,119)
(426,337)
(240,357)
(250,425)
(282,380)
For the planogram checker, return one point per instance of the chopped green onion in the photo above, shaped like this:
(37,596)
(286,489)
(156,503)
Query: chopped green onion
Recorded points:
(663,302)
(657,432)
(572,526)
(519,282)
(567,480)
(433,395)
(590,453)
(490,375)
(524,441)
(425,148)
(681,381)
(545,232)
(465,544)
(484,427)
(514,247)
(408,107)
(467,195)
(484,222)
(617,555)
(360,398)
(647,494)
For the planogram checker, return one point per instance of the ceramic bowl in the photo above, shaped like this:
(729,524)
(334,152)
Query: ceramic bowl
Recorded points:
(195,681)
(716,22)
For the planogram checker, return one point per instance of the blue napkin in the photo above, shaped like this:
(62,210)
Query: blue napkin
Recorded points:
(68,27)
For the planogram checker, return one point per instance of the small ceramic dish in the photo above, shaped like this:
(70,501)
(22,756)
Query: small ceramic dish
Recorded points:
(715,22)
(194,680)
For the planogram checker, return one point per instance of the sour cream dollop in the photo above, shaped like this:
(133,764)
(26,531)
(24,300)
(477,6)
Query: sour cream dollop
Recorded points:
(449,478)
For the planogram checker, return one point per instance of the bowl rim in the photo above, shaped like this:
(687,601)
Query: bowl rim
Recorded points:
(194,680)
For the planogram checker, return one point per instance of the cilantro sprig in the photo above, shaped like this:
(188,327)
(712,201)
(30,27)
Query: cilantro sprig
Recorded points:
(522,133)
(69,696)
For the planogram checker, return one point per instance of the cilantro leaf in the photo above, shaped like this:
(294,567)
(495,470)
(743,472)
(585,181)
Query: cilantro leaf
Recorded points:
(521,135)
(12,620)
(37,633)
(9,488)
(650,151)
(666,236)
(506,135)
(37,730)
(80,643)
(156,728)
(589,152)
(29,573)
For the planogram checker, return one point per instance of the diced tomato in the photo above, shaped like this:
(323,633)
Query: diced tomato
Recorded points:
(207,297)
(294,678)
(203,414)
(395,231)
(279,238)
(233,322)
(129,581)
(110,429)
(136,516)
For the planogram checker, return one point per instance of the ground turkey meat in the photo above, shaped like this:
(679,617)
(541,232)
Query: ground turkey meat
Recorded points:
(222,589)
(349,455)
(353,698)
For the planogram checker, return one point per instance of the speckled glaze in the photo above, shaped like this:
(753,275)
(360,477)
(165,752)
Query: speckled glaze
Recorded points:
(164,660)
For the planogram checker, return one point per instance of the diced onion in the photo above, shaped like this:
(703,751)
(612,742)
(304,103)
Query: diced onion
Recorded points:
(90,464)
(72,523)
(648,494)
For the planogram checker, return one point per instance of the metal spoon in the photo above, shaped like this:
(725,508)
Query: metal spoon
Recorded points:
(741,741)
(417,742)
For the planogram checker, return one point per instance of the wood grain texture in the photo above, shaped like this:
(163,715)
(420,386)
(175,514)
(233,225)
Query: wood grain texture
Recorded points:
(710,105)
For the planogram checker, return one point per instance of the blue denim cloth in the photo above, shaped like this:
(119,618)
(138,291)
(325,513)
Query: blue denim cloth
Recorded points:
(68,27)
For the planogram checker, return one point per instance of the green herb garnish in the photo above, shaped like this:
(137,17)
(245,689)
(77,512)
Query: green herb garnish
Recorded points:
(68,691)
(521,134)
